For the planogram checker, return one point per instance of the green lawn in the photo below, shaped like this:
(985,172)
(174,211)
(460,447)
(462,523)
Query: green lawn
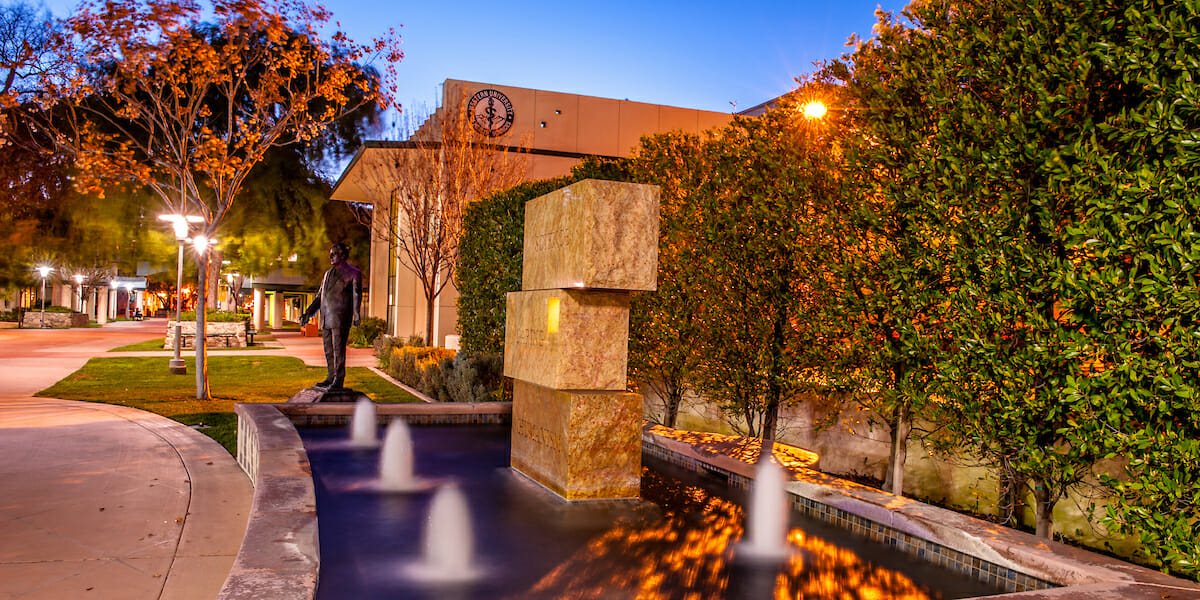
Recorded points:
(145,383)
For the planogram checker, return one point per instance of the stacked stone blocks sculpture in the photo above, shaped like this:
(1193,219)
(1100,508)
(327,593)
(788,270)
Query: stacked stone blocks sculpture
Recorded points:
(587,246)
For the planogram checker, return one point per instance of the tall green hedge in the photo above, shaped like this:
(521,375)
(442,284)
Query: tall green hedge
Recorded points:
(489,262)
(489,253)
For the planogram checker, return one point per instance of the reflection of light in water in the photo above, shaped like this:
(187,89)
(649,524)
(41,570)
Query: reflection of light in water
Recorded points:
(688,549)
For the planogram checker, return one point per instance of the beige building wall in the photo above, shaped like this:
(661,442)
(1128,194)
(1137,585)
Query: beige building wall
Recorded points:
(377,294)
(558,129)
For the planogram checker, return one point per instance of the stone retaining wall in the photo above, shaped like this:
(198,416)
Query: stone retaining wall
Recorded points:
(220,335)
(54,320)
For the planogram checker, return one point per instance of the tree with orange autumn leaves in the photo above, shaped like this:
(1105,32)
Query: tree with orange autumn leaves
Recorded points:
(187,107)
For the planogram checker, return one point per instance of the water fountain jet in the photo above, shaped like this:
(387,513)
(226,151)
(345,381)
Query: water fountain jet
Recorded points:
(362,424)
(767,516)
(396,460)
(449,543)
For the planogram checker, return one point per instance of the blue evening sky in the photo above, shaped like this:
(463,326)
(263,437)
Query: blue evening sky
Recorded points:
(695,54)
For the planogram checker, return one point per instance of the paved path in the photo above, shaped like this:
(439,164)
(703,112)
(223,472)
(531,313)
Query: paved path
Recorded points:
(101,501)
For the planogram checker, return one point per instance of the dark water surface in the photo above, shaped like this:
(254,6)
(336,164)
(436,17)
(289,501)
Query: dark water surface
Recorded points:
(679,543)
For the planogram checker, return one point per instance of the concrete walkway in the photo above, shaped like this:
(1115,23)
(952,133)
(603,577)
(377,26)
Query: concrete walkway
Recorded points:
(101,501)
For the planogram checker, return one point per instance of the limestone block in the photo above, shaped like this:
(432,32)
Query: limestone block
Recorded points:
(33,319)
(567,339)
(220,334)
(593,235)
(580,445)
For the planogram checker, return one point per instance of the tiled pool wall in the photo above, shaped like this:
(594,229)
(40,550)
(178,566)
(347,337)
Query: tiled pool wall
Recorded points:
(982,570)
(411,419)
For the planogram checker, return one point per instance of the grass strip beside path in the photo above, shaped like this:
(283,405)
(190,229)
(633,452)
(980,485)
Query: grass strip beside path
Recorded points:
(145,383)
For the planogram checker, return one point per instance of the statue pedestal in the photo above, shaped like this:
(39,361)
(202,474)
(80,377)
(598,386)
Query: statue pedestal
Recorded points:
(315,394)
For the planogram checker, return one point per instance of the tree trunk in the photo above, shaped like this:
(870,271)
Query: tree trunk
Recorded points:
(774,384)
(751,423)
(1012,496)
(429,341)
(1045,509)
(214,258)
(201,320)
(671,403)
(901,426)
(770,424)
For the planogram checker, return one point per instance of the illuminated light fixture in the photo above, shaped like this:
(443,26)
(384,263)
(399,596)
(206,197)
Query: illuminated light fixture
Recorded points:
(79,288)
(203,242)
(180,224)
(44,272)
(815,109)
(552,316)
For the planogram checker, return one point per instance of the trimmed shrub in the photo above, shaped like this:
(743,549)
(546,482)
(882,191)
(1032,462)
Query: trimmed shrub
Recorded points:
(489,262)
(364,334)
(476,378)
(408,364)
(445,375)
(489,252)
(384,345)
(216,316)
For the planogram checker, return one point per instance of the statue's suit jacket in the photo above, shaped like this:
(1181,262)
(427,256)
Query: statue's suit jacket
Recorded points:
(339,297)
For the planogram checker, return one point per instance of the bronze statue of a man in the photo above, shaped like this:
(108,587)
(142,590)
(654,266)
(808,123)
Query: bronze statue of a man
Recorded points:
(338,299)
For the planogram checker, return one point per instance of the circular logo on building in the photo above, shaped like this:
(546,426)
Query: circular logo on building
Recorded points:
(491,112)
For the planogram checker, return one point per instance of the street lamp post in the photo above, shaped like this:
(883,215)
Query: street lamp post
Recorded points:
(79,288)
(180,225)
(44,271)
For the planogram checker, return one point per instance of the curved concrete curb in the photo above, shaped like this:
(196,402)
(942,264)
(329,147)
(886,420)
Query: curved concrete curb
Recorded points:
(279,554)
